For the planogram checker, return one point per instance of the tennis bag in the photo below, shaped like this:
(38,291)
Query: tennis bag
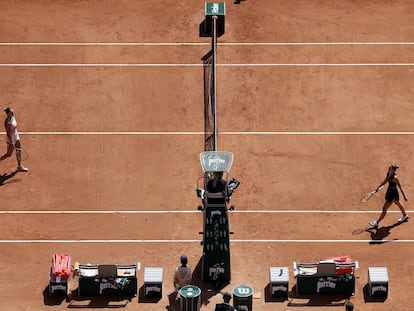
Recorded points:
(61,266)
(341,259)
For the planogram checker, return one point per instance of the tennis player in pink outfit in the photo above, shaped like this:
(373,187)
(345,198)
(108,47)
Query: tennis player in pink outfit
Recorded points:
(12,139)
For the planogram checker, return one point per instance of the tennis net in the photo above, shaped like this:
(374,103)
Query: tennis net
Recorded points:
(210,119)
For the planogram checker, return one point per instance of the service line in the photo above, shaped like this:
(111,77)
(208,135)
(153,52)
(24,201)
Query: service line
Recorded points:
(198,241)
(201,65)
(196,43)
(11,212)
(220,133)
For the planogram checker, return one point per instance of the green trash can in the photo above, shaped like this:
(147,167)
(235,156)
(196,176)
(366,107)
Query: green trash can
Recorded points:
(243,296)
(190,298)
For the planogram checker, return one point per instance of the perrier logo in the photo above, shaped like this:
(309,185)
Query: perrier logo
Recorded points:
(215,270)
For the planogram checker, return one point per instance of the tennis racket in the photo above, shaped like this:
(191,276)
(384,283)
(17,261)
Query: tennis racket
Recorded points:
(360,230)
(23,154)
(369,195)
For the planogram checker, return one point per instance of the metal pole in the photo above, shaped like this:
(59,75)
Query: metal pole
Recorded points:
(214,86)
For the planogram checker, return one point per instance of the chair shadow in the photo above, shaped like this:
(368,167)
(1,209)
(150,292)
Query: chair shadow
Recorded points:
(269,298)
(368,298)
(208,289)
(203,32)
(4,177)
(331,300)
(144,299)
(174,303)
(53,300)
(97,302)
(378,235)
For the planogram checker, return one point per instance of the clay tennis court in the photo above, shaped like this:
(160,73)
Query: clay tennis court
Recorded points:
(314,99)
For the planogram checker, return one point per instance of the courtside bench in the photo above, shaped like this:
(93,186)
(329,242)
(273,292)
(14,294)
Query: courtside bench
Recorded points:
(108,279)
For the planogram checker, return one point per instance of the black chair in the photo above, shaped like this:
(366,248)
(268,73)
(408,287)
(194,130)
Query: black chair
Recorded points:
(223,307)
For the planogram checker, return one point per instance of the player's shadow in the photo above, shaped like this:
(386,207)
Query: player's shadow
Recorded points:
(378,235)
(4,177)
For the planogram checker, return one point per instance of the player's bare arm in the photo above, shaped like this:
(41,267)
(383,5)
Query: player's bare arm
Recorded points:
(401,188)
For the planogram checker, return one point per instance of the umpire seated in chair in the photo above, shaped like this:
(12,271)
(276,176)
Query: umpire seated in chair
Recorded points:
(225,306)
(218,191)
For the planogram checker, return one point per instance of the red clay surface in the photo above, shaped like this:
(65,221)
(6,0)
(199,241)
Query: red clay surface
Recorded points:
(90,172)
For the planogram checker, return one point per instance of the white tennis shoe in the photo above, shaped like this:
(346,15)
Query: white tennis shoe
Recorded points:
(21,168)
(373,223)
(402,219)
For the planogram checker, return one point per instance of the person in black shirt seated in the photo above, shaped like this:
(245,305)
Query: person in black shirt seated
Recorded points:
(218,185)
(225,306)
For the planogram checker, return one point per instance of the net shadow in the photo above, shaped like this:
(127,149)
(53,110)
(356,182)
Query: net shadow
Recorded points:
(209,140)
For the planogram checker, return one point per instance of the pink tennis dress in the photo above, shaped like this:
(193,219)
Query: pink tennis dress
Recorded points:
(13,131)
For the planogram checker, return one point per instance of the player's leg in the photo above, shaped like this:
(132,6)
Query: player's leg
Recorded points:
(404,213)
(8,153)
(18,153)
(383,213)
(20,167)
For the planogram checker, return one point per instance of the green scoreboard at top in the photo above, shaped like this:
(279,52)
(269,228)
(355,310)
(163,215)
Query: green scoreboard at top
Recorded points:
(215,9)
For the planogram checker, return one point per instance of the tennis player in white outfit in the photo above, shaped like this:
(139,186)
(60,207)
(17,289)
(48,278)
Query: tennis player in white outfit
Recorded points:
(12,139)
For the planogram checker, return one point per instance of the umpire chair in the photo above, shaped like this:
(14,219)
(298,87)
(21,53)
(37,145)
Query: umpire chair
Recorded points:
(216,242)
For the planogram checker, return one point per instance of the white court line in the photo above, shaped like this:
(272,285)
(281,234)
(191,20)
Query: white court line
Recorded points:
(317,65)
(201,65)
(101,65)
(196,43)
(198,241)
(220,133)
(112,133)
(317,133)
(105,43)
(101,212)
(191,212)
(310,43)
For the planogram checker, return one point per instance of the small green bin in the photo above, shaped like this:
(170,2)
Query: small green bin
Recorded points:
(243,296)
(190,298)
